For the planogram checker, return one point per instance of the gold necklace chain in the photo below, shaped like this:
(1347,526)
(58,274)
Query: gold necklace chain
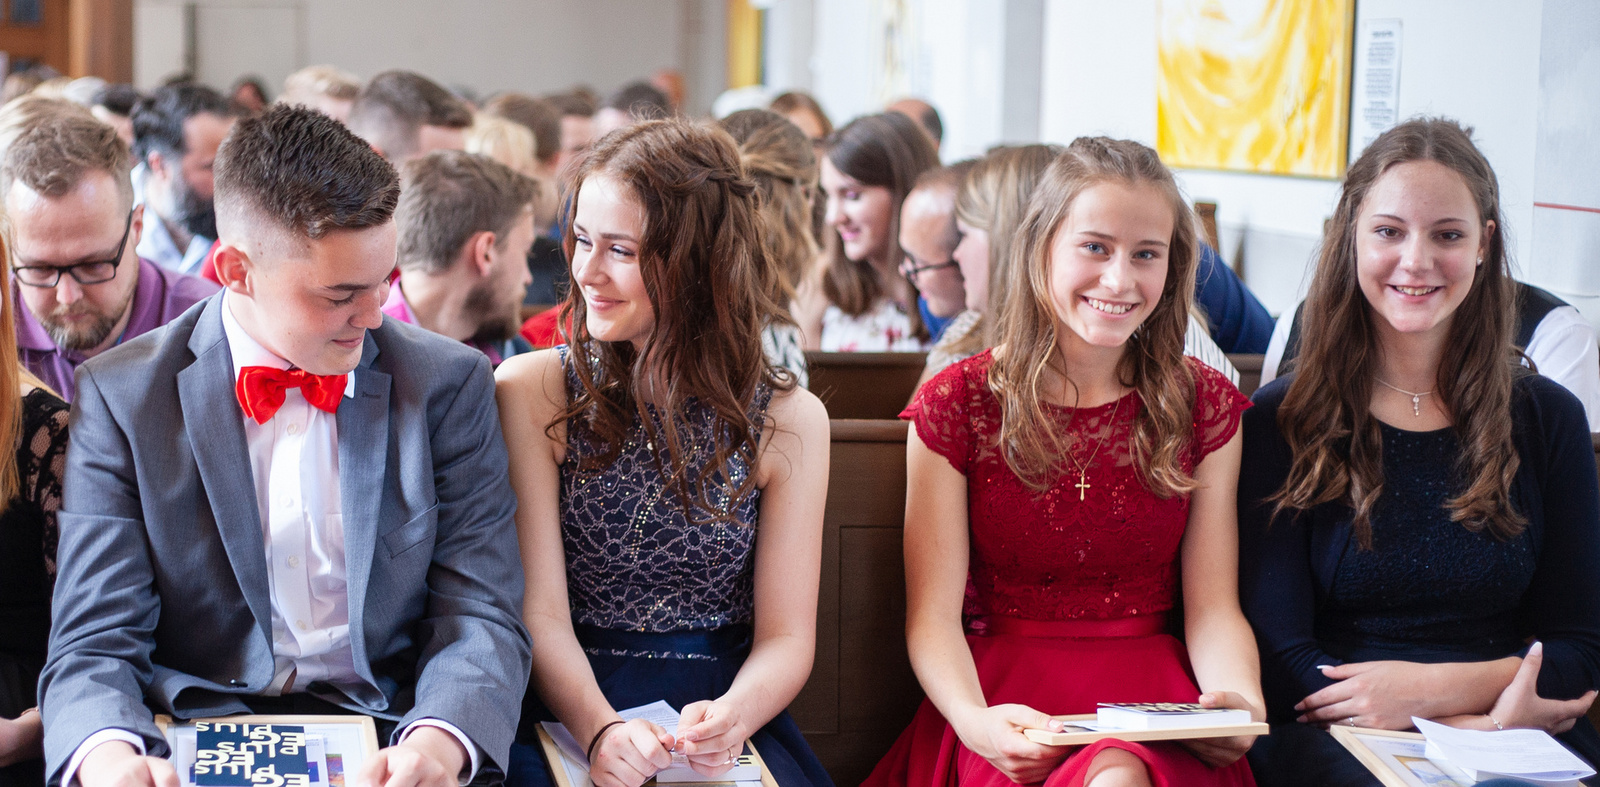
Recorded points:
(1083,484)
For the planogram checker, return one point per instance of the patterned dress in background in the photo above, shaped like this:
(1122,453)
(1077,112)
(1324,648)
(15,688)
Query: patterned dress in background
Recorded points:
(883,328)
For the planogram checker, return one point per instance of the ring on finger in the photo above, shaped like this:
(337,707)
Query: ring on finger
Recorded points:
(1351,721)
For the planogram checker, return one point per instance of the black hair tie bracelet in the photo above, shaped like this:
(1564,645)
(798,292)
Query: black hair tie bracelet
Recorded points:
(596,741)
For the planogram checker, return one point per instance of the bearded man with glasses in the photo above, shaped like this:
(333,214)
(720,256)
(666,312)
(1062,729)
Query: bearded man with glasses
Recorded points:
(81,288)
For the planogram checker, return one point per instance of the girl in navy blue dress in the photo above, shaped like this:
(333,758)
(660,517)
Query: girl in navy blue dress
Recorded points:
(1416,508)
(670,478)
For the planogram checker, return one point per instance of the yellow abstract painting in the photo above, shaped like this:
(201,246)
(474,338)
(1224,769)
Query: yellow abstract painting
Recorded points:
(1255,85)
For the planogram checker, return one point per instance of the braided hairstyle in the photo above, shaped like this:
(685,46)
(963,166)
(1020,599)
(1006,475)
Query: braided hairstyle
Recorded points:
(706,268)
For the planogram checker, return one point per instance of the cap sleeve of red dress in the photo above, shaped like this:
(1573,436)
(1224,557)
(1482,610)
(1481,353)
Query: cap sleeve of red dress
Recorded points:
(940,410)
(1218,406)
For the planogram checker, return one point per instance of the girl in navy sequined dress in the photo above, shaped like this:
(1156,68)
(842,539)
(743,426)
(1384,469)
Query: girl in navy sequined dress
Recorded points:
(670,479)
(1415,507)
(1070,473)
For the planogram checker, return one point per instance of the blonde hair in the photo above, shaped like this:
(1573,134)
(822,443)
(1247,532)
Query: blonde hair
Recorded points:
(1152,360)
(781,161)
(505,141)
(994,198)
(304,85)
(12,377)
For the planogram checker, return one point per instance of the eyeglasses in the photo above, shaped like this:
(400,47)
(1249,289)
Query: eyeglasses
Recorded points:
(90,272)
(911,270)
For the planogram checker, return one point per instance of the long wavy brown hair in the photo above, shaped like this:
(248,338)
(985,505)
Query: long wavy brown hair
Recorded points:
(781,161)
(1152,361)
(705,268)
(888,150)
(1325,416)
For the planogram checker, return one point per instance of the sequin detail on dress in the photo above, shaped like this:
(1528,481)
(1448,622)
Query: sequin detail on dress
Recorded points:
(634,561)
(1047,556)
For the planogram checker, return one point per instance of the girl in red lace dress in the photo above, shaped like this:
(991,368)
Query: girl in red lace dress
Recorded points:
(1071,473)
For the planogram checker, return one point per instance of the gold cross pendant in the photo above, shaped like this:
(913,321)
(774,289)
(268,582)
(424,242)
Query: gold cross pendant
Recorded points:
(1082,485)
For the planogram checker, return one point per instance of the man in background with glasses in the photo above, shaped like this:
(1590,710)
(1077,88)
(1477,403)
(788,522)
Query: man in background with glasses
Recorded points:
(928,236)
(80,287)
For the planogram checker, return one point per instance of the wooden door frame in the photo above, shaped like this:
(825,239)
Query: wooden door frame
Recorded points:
(98,38)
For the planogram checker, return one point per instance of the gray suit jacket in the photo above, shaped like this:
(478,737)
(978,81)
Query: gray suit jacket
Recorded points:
(161,600)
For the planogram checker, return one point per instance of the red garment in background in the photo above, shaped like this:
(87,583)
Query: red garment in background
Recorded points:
(540,329)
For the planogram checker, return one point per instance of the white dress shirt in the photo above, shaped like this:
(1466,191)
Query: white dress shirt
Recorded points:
(156,245)
(294,458)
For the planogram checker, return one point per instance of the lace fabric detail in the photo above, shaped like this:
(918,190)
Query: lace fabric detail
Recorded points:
(1050,556)
(41,461)
(634,560)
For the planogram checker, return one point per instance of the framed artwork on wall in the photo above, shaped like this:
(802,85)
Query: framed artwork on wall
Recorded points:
(1259,86)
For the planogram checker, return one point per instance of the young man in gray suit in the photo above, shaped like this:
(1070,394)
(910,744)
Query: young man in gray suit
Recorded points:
(282,502)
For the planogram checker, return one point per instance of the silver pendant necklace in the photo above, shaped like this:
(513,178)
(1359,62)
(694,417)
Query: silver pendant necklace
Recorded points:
(1416,398)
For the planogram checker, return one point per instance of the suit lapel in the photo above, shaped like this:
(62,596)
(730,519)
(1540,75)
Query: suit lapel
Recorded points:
(363,453)
(215,424)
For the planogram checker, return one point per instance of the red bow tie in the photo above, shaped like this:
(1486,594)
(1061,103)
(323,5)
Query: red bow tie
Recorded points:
(261,390)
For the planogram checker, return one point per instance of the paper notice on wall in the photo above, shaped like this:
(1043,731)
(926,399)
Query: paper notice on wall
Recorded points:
(1375,88)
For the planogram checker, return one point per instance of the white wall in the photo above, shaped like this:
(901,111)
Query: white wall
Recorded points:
(1474,60)
(535,46)
(1566,216)
(978,61)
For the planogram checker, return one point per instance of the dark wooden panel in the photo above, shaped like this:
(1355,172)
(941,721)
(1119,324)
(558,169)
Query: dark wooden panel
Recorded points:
(101,39)
(861,692)
(864,385)
(1249,366)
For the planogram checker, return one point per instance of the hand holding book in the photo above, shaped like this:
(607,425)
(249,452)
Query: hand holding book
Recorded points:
(1218,752)
(1005,735)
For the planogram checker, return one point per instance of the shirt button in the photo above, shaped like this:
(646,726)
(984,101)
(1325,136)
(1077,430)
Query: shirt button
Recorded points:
(294,560)
(294,429)
(288,501)
(300,624)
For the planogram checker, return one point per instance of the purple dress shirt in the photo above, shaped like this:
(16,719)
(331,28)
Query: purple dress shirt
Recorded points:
(160,296)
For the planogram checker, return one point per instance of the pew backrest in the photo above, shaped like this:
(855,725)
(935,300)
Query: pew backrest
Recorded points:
(864,385)
(862,692)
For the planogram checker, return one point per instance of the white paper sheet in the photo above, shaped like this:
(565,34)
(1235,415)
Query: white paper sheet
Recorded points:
(1375,83)
(1530,754)
(576,762)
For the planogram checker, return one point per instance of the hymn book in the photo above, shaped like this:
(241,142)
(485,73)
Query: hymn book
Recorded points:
(269,751)
(1149,721)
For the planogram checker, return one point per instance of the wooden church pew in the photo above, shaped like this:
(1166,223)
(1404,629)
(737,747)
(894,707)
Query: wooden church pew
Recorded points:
(1249,366)
(862,692)
(864,385)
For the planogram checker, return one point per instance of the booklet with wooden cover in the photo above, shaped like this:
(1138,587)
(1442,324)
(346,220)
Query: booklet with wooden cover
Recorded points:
(1082,729)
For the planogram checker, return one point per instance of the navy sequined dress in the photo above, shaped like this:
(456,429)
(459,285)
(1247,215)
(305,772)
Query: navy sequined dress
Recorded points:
(1429,591)
(662,605)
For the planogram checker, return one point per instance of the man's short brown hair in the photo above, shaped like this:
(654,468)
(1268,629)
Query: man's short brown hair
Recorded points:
(540,116)
(392,108)
(50,144)
(450,196)
(305,172)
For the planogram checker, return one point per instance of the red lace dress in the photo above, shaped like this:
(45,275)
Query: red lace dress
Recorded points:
(1068,598)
